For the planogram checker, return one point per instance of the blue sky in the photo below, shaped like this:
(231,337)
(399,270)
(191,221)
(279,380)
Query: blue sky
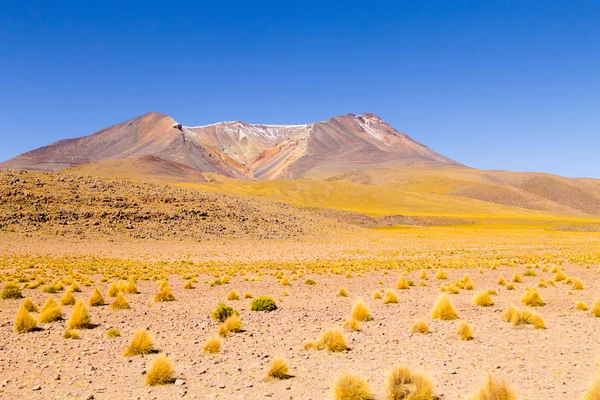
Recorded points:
(493,84)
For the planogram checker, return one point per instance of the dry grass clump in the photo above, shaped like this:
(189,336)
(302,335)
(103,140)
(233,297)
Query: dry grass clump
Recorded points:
(581,306)
(577,284)
(70,334)
(11,291)
(96,299)
(29,305)
(352,325)
(188,284)
(532,298)
(67,299)
(390,297)
(593,392)
(263,303)
(402,283)
(279,369)
(248,295)
(24,322)
(443,309)
(493,389)
(516,278)
(164,293)
(113,291)
(50,312)
(596,307)
(80,318)
(420,326)
(559,276)
(74,287)
(423,275)
(501,281)
(212,345)
(522,316)
(342,292)
(141,343)
(483,299)
(360,311)
(404,384)
(130,287)
(465,283)
(441,274)
(160,372)
(113,333)
(232,324)
(376,295)
(351,387)
(119,304)
(233,295)
(510,286)
(331,339)
(464,331)
(285,281)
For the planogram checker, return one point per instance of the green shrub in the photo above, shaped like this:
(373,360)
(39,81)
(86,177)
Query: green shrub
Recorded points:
(263,303)
(11,291)
(222,312)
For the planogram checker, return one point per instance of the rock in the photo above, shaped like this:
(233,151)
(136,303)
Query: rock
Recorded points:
(37,387)
(179,382)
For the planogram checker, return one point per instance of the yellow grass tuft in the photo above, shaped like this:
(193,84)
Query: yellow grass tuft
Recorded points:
(593,392)
(376,295)
(581,306)
(248,295)
(113,291)
(501,281)
(130,287)
(596,307)
(464,331)
(96,299)
(67,299)
(113,333)
(402,283)
(483,299)
(29,305)
(443,309)
(390,297)
(70,334)
(441,275)
(233,324)
(164,293)
(507,315)
(404,384)
(212,345)
(233,295)
(80,318)
(141,343)
(528,317)
(285,281)
(331,339)
(50,312)
(188,284)
(160,372)
(559,276)
(532,298)
(351,387)
(423,275)
(577,284)
(510,286)
(24,322)
(360,311)
(493,389)
(342,292)
(119,304)
(352,325)
(74,287)
(420,326)
(516,278)
(279,369)
(121,286)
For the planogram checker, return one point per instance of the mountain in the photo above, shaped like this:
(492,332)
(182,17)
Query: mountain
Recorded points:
(237,149)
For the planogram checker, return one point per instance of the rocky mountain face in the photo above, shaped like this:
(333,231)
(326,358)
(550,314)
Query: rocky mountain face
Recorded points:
(237,149)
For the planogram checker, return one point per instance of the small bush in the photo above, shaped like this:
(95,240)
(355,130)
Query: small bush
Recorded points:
(24,322)
(113,333)
(420,326)
(231,324)
(483,299)
(443,309)
(212,345)
(351,387)
(80,318)
(160,372)
(390,297)
(113,290)
(11,291)
(67,299)
(96,299)
(222,312)
(441,275)
(141,343)
(233,295)
(29,305)
(494,389)
(279,369)
(464,331)
(263,303)
(402,283)
(403,384)
(130,287)
(50,312)
(119,304)
(360,311)
(532,298)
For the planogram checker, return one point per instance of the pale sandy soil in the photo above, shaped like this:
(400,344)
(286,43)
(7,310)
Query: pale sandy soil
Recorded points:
(555,363)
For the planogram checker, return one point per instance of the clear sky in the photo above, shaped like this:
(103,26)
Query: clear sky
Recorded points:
(492,84)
